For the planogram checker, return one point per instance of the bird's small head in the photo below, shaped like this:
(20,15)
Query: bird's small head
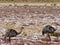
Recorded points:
(22,27)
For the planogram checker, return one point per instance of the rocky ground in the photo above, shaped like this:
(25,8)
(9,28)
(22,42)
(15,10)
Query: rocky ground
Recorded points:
(32,18)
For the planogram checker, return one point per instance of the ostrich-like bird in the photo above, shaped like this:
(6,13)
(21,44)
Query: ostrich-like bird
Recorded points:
(48,29)
(12,33)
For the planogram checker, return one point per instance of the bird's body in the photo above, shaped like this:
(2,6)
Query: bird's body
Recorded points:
(48,30)
(12,33)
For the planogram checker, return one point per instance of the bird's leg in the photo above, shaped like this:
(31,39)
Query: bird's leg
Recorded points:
(9,39)
(42,33)
(48,36)
(5,38)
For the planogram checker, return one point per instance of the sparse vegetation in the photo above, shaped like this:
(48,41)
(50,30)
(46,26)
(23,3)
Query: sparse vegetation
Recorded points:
(32,19)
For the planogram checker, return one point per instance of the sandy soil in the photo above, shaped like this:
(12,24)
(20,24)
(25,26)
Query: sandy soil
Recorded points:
(33,18)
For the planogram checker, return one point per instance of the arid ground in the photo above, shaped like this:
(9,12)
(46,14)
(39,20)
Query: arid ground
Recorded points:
(32,17)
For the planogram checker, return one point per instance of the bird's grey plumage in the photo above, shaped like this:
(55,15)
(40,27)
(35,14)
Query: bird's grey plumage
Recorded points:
(12,33)
(48,30)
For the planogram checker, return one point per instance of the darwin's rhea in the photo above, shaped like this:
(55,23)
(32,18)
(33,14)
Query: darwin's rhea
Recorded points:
(12,33)
(48,29)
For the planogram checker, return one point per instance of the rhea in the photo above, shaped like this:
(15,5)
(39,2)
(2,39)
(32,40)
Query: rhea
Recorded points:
(12,33)
(48,29)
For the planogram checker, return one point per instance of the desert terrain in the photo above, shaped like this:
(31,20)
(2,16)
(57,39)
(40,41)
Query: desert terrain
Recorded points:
(32,17)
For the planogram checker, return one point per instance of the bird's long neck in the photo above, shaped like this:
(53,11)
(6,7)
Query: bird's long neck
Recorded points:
(20,32)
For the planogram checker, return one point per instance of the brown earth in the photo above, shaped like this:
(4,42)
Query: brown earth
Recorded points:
(32,18)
